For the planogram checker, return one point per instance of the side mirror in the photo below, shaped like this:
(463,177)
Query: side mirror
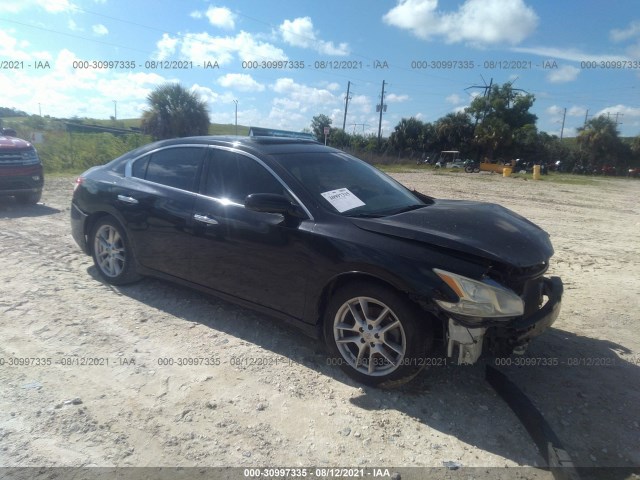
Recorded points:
(273,203)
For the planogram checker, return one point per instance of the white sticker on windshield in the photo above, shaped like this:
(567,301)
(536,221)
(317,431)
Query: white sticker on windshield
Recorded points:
(342,199)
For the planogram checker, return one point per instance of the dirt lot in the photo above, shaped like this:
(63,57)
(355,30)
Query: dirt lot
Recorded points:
(268,397)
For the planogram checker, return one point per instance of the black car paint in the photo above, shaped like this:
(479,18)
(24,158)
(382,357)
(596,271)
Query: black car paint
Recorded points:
(288,269)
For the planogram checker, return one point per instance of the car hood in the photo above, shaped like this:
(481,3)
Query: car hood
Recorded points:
(13,143)
(483,229)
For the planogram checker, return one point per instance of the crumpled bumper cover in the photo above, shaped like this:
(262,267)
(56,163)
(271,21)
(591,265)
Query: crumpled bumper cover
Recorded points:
(502,339)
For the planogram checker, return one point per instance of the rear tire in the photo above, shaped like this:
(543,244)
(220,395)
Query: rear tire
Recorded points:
(376,335)
(112,253)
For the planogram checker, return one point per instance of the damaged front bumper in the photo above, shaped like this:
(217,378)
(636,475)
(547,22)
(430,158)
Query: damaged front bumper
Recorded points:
(467,342)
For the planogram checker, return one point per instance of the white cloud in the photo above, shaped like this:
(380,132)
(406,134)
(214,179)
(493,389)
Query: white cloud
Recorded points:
(568,54)
(73,26)
(305,95)
(100,30)
(563,74)
(241,82)
(620,35)
(476,22)
(50,6)
(200,47)
(394,98)
(300,33)
(454,99)
(14,49)
(210,96)
(362,103)
(221,17)
(166,47)
(625,113)
(577,111)
(56,6)
(630,33)
(65,91)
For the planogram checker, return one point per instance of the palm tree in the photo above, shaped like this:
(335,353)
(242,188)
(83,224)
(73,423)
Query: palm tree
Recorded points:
(600,141)
(175,112)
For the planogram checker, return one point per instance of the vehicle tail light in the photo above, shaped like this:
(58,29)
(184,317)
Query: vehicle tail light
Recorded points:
(79,181)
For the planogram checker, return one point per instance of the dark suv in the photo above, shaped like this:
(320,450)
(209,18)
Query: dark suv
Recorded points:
(21,173)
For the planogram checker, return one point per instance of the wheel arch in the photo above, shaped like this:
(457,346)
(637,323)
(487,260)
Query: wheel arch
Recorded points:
(91,221)
(347,278)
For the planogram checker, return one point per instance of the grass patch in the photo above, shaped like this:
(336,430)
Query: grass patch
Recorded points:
(64,174)
(401,168)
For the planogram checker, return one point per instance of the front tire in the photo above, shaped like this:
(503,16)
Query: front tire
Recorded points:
(375,335)
(112,253)
(29,198)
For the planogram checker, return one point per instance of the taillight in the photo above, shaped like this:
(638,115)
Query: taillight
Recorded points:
(79,181)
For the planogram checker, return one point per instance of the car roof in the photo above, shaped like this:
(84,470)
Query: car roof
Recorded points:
(257,145)
(254,145)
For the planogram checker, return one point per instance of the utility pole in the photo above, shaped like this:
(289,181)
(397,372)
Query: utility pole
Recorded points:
(346,106)
(115,109)
(564,115)
(617,115)
(487,93)
(236,102)
(586,116)
(381,108)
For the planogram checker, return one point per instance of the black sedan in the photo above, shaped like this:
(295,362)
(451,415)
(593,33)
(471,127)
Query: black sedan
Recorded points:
(325,241)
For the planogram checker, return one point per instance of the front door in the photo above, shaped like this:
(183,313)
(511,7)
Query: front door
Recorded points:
(251,255)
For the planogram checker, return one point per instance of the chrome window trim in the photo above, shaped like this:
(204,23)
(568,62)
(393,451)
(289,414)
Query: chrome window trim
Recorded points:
(129,169)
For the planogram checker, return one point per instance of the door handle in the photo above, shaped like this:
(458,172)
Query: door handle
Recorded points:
(205,219)
(124,198)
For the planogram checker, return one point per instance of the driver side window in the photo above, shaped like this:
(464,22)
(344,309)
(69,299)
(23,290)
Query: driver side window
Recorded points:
(233,176)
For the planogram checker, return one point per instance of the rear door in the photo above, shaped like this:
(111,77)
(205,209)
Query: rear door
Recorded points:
(158,207)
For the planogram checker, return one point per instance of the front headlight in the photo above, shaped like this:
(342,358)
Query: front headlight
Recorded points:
(480,299)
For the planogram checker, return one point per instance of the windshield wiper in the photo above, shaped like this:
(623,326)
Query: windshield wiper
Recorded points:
(366,215)
(407,209)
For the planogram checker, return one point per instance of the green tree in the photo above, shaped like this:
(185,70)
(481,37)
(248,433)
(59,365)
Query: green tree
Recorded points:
(599,141)
(407,136)
(175,112)
(635,148)
(504,123)
(339,138)
(317,125)
(454,131)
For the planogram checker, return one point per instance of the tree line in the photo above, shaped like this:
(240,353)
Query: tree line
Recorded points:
(497,126)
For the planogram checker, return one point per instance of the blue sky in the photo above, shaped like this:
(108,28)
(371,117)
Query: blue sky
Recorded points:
(578,55)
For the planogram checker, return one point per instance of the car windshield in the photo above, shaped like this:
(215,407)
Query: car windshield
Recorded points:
(349,186)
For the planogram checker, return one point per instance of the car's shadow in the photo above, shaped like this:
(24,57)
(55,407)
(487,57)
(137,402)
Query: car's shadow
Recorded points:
(593,408)
(11,208)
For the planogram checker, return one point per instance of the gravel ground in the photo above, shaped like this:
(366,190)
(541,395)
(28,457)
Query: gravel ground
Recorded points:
(102,394)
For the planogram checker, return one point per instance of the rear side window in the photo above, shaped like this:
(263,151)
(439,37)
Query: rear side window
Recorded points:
(174,167)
